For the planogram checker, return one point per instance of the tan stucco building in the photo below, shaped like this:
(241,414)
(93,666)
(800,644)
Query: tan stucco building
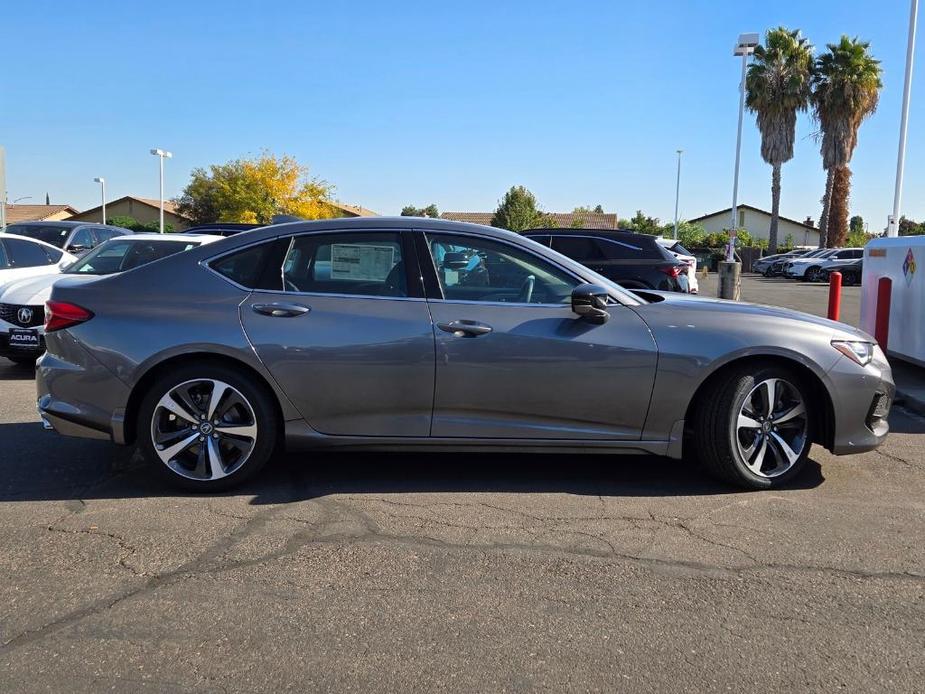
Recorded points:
(758,223)
(143,210)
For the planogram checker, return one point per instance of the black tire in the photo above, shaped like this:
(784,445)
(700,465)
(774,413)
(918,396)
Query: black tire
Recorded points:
(714,426)
(258,396)
(810,274)
(849,279)
(767,272)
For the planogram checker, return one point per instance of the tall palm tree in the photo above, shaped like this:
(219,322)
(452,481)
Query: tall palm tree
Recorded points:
(778,85)
(846,90)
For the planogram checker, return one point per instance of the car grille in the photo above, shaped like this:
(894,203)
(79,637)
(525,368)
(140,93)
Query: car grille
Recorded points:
(14,313)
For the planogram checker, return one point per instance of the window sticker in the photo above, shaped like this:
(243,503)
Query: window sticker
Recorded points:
(356,261)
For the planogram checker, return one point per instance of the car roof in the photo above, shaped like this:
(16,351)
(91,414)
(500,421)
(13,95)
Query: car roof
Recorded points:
(179,238)
(65,224)
(7,235)
(587,232)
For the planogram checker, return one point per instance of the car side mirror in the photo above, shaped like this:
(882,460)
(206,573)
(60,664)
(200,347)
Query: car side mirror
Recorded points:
(76,249)
(590,302)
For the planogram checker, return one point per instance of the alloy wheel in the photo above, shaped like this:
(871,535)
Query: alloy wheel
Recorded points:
(204,429)
(772,427)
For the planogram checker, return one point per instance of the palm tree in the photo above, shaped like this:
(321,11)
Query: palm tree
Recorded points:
(778,85)
(846,91)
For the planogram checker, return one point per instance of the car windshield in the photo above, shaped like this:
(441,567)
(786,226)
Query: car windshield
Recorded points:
(54,235)
(120,255)
(681,250)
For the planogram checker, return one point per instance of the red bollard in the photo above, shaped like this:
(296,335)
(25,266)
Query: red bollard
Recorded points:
(882,324)
(834,295)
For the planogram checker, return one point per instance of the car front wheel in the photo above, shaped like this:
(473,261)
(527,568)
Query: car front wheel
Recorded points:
(207,427)
(753,429)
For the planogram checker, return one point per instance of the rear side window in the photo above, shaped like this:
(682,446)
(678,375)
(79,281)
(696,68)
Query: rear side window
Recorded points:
(25,254)
(257,267)
(356,264)
(634,248)
(581,248)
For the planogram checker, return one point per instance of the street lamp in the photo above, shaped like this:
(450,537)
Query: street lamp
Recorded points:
(893,226)
(744,47)
(102,182)
(162,154)
(677,191)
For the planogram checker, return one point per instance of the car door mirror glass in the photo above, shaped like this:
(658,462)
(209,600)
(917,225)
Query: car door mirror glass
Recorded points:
(590,302)
(455,260)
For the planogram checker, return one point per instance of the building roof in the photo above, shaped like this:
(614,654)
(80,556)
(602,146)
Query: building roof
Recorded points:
(354,210)
(35,213)
(169,206)
(588,220)
(753,209)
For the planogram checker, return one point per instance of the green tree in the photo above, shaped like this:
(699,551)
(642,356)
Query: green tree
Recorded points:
(788,242)
(846,90)
(643,224)
(909,227)
(412,211)
(254,191)
(518,211)
(856,224)
(128,222)
(778,86)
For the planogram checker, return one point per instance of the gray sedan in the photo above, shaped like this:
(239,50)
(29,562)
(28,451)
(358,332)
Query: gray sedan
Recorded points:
(398,334)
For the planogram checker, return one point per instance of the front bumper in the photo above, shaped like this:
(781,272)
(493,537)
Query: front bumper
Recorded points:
(861,401)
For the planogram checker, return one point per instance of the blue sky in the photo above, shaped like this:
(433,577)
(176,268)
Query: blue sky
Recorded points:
(420,102)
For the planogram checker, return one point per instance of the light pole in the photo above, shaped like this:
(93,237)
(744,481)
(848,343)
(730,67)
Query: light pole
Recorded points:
(893,227)
(102,182)
(744,47)
(677,192)
(162,154)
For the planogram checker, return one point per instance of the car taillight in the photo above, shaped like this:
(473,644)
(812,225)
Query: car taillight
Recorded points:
(672,270)
(61,314)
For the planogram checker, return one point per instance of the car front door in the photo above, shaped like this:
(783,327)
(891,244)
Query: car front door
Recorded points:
(514,361)
(348,336)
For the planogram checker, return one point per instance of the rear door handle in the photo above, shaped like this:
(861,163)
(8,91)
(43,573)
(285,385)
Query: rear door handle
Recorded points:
(280,310)
(465,328)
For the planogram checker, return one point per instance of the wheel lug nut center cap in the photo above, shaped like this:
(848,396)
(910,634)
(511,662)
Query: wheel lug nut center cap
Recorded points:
(206,428)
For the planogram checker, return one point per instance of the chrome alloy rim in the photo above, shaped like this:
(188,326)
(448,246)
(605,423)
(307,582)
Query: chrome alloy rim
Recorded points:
(204,429)
(772,427)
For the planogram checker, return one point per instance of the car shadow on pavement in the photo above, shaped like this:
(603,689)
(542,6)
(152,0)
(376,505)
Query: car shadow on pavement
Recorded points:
(16,372)
(38,465)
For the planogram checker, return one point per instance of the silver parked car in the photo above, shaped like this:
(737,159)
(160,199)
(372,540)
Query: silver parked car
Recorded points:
(392,334)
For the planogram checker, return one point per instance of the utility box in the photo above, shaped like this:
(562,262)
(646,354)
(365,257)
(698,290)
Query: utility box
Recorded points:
(902,259)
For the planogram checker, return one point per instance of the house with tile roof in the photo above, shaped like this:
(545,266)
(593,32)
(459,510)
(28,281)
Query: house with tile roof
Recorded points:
(561,220)
(38,213)
(144,210)
(758,222)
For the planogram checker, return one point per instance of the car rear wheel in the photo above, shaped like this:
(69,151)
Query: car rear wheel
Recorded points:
(753,428)
(849,279)
(206,427)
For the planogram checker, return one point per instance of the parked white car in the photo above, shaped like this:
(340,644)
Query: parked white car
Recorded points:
(808,267)
(685,256)
(23,257)
(22,301)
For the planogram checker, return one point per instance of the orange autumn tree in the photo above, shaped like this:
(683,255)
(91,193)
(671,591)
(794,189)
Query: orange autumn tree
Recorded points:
(252,191)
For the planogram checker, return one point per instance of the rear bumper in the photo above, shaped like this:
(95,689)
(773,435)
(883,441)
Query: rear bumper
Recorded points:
(78,396)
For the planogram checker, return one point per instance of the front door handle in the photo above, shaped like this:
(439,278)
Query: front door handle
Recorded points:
(280,310)
(465,328)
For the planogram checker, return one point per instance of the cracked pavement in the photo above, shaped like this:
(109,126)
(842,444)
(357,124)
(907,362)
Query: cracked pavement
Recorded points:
(456,572)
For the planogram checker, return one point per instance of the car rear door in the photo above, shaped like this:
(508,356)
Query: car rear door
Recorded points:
(513,360)
(344,330)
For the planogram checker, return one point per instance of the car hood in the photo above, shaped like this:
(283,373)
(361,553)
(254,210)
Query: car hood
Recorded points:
(741,316)
(34,291)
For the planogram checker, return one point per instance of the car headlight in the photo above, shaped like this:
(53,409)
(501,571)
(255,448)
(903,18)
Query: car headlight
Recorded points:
(857,351)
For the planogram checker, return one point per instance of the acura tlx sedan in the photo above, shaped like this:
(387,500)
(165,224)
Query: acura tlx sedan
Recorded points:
(393,334)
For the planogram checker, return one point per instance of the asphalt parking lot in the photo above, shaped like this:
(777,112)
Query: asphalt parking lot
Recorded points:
(461,573)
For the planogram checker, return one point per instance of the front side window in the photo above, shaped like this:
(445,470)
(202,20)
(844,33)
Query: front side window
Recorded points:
(26,254)
(362,264)
(477,269)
